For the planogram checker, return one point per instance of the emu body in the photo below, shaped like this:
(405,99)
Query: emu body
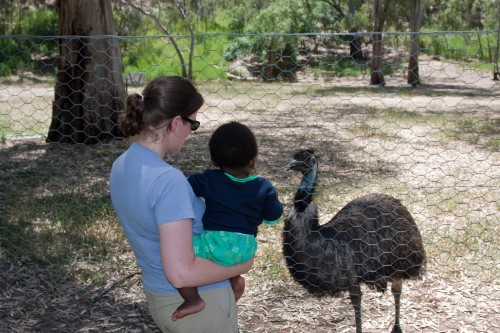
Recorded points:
(372,240)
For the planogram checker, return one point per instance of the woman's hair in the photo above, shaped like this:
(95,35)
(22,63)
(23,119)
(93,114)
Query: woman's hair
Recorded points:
(162,99)
(232,145)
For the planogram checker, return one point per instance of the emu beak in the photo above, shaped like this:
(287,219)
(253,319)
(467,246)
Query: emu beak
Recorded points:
(293,165)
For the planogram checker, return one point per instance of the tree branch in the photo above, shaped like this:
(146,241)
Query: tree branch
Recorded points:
(336,6)
(165,30)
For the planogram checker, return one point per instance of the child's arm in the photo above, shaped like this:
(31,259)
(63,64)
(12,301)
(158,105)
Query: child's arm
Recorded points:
(273,208)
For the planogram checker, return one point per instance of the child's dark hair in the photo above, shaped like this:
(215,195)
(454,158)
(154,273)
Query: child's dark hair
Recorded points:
(162,99)
(232,145)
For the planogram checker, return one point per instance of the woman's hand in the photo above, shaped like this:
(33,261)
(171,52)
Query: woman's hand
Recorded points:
(181,267)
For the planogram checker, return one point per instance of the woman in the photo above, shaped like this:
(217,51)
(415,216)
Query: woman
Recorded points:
(160,213)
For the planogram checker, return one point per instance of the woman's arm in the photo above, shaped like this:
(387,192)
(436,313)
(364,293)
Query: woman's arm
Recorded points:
(181,267)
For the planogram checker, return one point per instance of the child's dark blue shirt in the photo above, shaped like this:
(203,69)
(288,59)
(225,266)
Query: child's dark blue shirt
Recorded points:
(234,204)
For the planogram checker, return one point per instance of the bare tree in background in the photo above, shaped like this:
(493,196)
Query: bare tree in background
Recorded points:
(89,91)
(415,23)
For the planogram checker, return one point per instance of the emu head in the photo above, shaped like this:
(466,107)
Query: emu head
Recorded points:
(303,161)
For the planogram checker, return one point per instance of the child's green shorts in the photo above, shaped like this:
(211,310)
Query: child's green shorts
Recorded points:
(224,247)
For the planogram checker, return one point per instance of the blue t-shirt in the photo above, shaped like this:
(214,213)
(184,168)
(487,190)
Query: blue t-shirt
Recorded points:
(234,204)
(147,192)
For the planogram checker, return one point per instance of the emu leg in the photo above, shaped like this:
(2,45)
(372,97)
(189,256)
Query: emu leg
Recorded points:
(396,288)
(355,295)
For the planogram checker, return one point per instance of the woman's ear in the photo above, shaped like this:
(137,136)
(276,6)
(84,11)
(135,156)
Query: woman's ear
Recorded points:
(176,122)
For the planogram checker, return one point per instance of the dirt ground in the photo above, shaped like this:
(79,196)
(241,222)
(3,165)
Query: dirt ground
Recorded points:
(449,185)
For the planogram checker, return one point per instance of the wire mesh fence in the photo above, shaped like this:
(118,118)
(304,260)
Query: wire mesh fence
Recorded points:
(65,265)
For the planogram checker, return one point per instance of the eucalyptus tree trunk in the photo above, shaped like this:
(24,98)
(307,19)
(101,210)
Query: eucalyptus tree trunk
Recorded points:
(496,71)
(355,47)
(377,63)
(270,70)
(415,23)
(89,92)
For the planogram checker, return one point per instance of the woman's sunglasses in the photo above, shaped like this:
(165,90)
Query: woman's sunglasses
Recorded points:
(194,123)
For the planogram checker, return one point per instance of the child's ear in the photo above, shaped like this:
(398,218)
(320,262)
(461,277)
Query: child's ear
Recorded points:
(253,161)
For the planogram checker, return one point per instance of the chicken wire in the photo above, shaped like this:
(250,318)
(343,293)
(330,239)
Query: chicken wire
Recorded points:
(65,265)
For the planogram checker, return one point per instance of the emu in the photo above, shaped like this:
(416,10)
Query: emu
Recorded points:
(372,240)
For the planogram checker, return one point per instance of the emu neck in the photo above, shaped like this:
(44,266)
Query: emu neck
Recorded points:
(305,192)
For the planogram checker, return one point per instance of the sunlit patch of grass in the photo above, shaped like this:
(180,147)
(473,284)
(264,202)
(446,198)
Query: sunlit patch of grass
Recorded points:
(346,67)
(54,227)
(464,236)
(58,210)
(399,115)
(481,67)
(367,131)
(392,123)
(470,251)
(25,115)
(67,230)
(269,261)
(485,132)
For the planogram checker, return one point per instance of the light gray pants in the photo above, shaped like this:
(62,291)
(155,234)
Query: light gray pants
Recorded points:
(220,314)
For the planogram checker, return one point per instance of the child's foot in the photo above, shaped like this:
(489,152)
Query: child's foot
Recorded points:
(187,308)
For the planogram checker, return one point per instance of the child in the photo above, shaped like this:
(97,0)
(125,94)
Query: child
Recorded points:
(236,204)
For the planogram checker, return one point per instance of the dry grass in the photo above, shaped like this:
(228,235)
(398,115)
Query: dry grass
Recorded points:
(66,267)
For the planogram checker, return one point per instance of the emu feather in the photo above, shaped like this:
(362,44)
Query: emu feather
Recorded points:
(372,240)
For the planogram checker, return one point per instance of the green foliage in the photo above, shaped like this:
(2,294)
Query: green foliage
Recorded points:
(238,48)
(14,55)
(40,22)
(23,20)
(19,54)
(268,31)
(153,57)
(360,19)
(238,18)
(344,66)
(267,23)
(130,22)
(282,17)
(458,15)
(480,132)
(466,46)
(327,18)
(491,15)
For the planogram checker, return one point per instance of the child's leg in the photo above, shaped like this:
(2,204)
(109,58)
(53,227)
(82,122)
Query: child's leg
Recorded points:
(192,303)
(238,285)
